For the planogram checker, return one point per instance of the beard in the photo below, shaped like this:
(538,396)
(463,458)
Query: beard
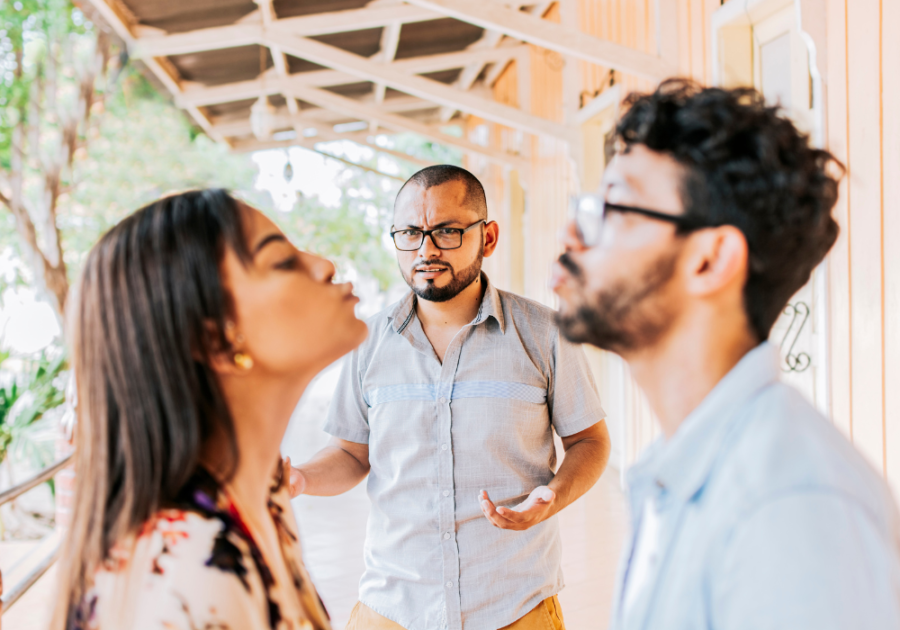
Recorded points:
(627,316)
(459,281)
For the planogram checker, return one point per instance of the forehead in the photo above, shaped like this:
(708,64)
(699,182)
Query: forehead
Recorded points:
(256,224)
(447,202)
(642,174)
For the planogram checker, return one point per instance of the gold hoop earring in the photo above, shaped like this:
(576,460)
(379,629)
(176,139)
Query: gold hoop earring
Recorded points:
(243,361)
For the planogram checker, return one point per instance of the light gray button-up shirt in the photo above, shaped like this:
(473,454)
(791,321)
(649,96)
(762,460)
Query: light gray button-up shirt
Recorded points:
(440,433)
(767,518)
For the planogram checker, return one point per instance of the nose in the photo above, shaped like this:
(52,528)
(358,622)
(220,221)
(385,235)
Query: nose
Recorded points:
(321,269)
(428,249)
(569,238)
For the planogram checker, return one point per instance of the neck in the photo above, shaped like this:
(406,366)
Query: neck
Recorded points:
(677,373)
(261,409)
(456,312)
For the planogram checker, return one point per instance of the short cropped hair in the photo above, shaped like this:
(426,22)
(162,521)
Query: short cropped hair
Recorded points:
(442,173)
(748,166)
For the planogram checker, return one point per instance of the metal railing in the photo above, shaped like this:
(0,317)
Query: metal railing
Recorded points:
(47,553)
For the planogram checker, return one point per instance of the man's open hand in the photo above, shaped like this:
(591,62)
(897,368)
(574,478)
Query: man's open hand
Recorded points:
(296,480)
(535,509)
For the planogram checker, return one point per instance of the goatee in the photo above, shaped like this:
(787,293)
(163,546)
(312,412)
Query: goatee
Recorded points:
(460,281)
(627,316)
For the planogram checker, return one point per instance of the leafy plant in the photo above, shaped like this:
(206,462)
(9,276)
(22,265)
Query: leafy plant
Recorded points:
(25,400)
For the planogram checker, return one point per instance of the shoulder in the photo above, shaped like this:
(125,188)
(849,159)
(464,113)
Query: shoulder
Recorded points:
(381,326)
(788,448)
(182,570)
(523,312)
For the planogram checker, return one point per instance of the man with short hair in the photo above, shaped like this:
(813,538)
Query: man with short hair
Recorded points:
(449,407)
(751,511)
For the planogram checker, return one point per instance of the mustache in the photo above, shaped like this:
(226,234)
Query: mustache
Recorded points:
(433,263)
(565,260)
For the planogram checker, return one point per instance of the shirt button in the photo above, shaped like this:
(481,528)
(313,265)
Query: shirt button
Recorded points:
(446,493)
(447,536)
(443,400)
(449,584)
(443,447)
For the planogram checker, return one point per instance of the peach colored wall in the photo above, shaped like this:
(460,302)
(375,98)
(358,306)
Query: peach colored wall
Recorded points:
(863,129)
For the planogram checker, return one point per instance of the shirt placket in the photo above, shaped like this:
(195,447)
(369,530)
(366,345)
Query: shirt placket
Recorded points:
(446,487)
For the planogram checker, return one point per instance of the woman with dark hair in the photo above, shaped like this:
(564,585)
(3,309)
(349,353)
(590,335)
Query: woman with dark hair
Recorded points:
(196,329)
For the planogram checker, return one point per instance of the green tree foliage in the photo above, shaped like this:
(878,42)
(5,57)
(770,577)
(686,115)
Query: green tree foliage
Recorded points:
(26,397)
(53,72)
(144,148)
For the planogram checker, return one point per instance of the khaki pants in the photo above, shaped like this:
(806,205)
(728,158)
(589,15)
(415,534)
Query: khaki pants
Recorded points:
(545,616)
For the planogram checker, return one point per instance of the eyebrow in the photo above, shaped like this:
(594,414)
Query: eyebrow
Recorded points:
(271,238)
(436,226)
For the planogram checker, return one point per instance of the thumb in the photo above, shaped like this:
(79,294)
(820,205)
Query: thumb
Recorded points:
(543,493)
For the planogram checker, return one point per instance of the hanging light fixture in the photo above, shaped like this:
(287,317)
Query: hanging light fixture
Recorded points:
(288,168)
(262,113)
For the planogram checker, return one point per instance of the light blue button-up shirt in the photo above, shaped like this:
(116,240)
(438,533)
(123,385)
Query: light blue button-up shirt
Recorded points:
(441,431)
(767,518)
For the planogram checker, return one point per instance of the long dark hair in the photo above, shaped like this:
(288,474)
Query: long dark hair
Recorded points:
(151,308)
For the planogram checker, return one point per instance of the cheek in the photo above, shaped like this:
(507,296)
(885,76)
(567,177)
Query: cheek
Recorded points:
(289,323)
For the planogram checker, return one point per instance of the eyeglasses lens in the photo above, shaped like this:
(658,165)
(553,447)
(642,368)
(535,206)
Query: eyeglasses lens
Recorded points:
(587,212)
(411,240)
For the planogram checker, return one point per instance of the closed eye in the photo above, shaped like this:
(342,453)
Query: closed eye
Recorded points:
(289,263)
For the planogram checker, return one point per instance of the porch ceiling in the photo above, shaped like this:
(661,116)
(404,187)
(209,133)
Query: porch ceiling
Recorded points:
(385,63)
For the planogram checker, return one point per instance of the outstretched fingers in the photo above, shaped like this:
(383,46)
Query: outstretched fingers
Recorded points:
(493,515)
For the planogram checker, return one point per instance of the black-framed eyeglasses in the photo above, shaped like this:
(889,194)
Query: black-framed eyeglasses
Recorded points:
(589,211)
(410,240)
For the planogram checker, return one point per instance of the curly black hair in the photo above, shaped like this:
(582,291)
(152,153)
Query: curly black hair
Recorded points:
(750,167)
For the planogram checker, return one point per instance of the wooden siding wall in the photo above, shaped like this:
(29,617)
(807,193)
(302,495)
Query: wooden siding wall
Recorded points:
(862,72)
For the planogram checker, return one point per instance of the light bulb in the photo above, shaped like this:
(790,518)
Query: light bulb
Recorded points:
(262,118)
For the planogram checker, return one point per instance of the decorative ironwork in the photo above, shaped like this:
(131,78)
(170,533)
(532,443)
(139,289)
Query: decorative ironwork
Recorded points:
(800,361)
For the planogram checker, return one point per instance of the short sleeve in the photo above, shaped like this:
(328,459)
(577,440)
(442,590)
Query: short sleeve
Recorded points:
(813,560)
(572,397)
(348,415)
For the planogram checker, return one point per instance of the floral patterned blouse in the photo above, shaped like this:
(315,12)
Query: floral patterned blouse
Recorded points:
(195,566)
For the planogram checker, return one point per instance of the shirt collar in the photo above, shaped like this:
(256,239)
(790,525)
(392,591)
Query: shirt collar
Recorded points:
(491,306)
(683,463)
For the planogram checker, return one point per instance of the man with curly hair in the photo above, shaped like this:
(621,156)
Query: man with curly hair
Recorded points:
(751,511)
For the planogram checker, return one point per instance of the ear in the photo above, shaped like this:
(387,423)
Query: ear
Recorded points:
(718,260)
(491,237)
(220,358)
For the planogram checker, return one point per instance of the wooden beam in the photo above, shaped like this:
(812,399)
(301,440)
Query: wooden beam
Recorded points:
(244,34)
(327,135)
(235,124)
(490,39)
(361,138)
(552,36)
(330,100)
(390,40)
(441,94)
(279,59)
(200,96)
(247,146)
(324,133)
